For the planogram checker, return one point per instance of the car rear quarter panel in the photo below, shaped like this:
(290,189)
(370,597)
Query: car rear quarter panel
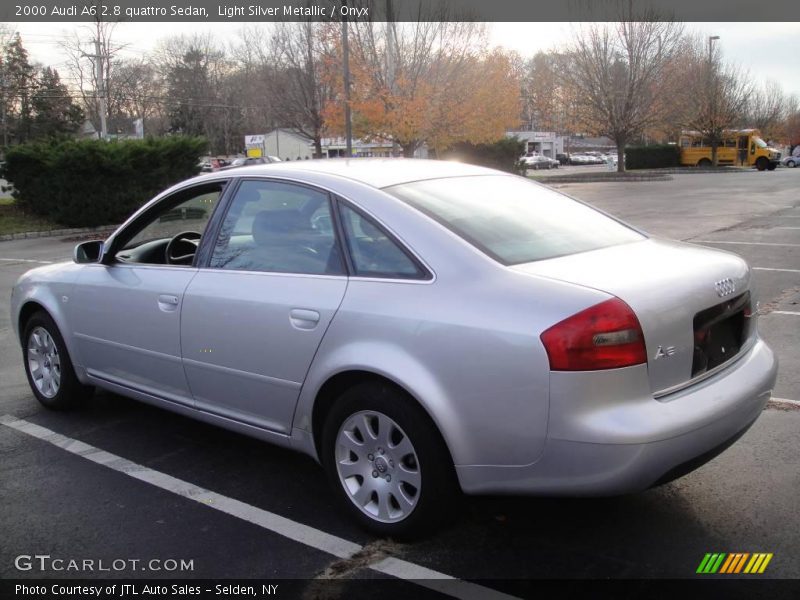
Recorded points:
(467,351)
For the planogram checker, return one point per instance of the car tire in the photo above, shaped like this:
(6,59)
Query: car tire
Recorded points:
(772,166)
(704,163)
(791,164)
(375,432)
(48,365)
(762,164)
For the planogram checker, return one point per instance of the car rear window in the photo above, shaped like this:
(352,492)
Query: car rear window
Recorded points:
(514,220)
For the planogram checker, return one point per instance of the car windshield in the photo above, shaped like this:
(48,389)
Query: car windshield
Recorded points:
(514,220)
(759,142)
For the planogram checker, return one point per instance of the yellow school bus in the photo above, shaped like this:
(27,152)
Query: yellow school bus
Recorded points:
(740,147)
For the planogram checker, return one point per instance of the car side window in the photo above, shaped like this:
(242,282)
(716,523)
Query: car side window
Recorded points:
(375,254)
(278,227)
(187,215)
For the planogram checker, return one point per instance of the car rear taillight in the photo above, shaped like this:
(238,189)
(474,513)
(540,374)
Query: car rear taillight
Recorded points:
(604,336)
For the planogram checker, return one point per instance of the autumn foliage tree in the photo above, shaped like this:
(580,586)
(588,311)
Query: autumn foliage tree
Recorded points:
(425,82)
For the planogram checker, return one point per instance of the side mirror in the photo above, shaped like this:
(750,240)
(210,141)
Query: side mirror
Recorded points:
(88,252)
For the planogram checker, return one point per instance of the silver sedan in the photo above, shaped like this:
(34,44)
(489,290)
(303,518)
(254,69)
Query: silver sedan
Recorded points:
(421,328)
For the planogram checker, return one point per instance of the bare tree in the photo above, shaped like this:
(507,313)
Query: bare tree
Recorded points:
(766,109)
(617,71)
(81,49)
(136,94)
(717,94)
(302,90)
(256,66)
(198,96)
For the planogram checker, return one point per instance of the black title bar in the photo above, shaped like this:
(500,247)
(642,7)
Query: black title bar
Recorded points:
(400,10)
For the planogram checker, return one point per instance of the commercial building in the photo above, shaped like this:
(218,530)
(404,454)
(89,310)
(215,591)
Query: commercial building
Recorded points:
(546,143)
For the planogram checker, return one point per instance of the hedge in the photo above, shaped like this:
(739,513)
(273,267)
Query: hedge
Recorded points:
(86,183)
(503,154)
(652,157)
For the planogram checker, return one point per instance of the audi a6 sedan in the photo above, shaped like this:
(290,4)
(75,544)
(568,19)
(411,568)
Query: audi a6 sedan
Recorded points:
(421,328)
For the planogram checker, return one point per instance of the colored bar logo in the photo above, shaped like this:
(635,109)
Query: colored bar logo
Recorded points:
(734,563)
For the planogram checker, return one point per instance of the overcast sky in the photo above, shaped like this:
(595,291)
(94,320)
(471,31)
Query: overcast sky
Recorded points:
(766,50)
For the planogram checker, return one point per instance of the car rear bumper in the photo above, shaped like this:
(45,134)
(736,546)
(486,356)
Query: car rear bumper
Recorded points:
(596,447)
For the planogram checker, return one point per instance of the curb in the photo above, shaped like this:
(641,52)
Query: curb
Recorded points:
(556,179)
(24,235)
(634,175)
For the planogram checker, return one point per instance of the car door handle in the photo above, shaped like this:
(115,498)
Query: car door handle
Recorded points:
(167,302)
(303,318)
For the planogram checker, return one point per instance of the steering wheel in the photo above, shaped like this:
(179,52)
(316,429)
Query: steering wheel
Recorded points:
(181,249)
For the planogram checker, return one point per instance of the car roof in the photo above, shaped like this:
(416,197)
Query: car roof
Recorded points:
(376,172)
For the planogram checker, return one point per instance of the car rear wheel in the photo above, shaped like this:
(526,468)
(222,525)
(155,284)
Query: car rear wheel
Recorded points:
(387,462)
(704,162)
(762,164)
(791,164)
(48,366)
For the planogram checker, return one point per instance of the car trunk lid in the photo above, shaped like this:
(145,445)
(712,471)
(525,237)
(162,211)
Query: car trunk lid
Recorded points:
(693,303)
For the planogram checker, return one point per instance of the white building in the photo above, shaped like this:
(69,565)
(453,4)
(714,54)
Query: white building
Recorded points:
(546,143)
(288,144)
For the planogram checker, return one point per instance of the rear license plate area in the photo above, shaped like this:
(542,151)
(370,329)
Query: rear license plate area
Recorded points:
(720,332)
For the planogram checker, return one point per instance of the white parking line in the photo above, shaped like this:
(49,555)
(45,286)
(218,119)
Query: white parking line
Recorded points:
(27,260)
(784,312)
(293,530)
(743,243)
(794,228)
(781,270)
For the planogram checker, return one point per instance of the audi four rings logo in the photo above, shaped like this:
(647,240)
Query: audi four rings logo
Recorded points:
(725,287)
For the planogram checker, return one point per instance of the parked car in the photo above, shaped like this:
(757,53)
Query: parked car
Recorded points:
(563,159)
(539,162)
(250,161)
(419,327)
(790,161)
(579,159)
(596,158)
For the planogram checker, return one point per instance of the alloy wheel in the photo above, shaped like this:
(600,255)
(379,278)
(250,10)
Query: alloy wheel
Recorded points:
(378,467)
(44,362)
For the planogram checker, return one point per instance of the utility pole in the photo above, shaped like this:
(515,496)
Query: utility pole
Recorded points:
(348,122)
(391,58)
(711,39)
(5,123)
(98,57)
(712,96)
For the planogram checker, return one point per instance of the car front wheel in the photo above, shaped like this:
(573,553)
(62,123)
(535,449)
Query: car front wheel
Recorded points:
(387,462)
(48,366)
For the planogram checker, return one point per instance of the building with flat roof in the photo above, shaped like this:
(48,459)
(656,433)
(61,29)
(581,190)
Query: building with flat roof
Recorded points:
(289,144)
(546,143)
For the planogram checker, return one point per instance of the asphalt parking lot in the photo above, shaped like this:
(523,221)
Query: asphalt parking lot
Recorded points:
(167,487)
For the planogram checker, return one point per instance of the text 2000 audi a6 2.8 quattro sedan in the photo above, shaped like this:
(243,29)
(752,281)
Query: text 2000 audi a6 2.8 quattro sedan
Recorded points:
(419,327)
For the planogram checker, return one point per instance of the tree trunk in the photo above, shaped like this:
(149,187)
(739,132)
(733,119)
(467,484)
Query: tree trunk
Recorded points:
(621,143)
(409,148)
(317,146)
(714,146)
